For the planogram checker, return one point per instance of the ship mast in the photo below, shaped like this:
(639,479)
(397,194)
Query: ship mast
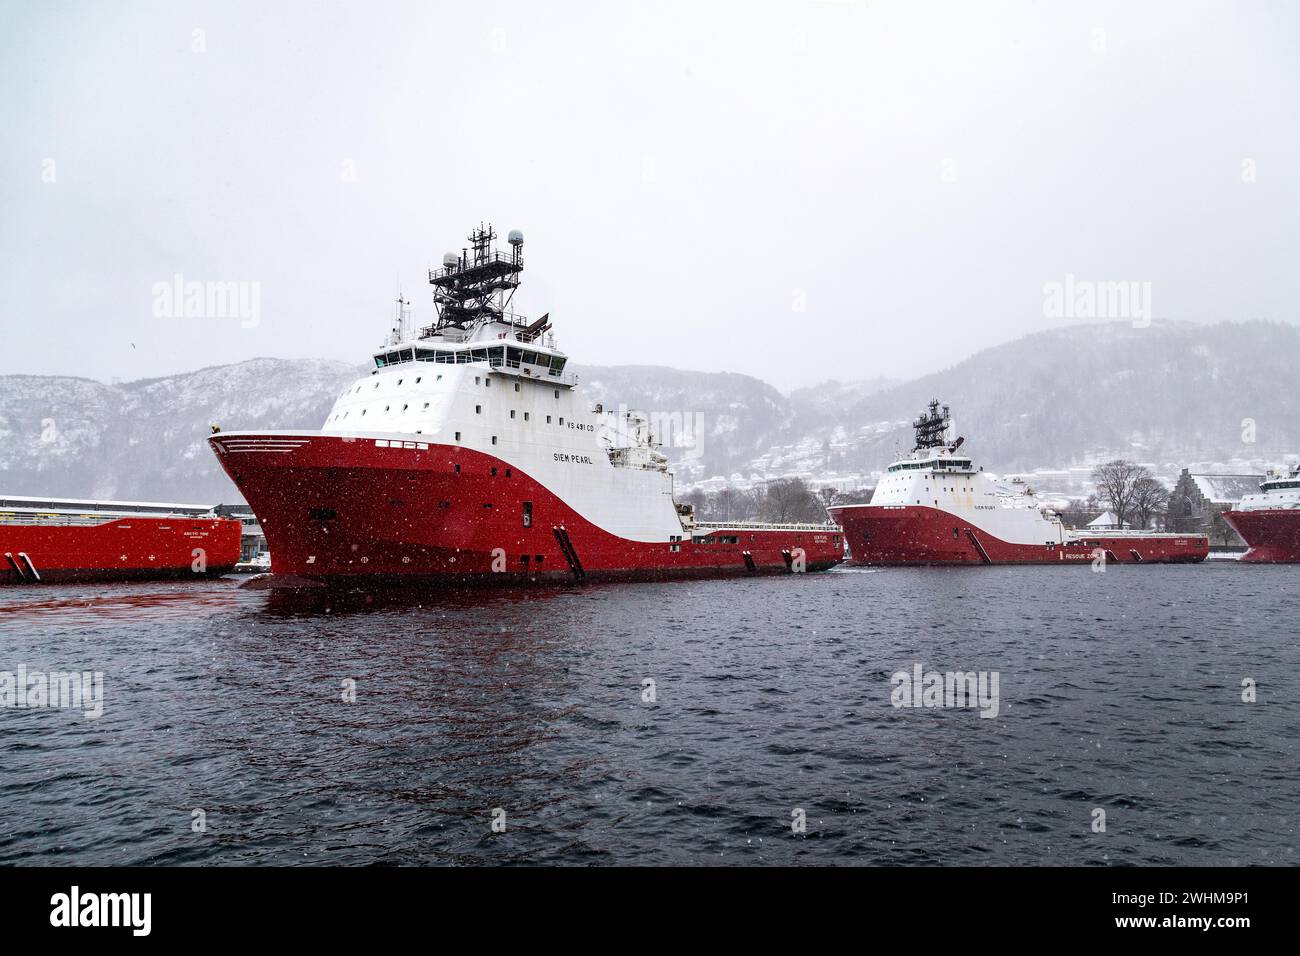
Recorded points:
(932,427)
(401,329)
(478,284)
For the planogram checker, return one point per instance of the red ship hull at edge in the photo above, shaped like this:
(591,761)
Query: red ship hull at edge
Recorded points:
(131,548)
(1272,535)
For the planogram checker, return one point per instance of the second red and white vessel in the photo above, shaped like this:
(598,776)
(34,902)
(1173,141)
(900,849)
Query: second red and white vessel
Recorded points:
(469,453)
(1269,522)
(936,507)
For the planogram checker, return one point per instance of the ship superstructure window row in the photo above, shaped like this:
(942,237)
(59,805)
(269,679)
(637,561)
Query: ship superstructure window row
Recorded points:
(496,356)
(953,463)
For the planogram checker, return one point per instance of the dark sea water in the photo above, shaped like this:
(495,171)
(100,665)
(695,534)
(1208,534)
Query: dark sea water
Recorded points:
(1120,691)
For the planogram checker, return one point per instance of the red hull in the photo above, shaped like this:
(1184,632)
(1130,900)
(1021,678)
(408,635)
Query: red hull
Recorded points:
(339,508)
(918,535)
(138,547)
(1272,535)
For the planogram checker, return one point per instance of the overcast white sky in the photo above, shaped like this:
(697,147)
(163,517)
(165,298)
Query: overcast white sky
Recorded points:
(685,174)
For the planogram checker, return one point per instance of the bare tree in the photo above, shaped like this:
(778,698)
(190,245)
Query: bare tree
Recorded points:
(1150,498)
(731,504)
(854,497)
(789,500)
(1116,481)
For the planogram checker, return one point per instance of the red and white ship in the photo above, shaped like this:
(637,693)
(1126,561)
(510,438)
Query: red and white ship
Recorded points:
(469,453)
(112,541)
(935,507)
(1269,522)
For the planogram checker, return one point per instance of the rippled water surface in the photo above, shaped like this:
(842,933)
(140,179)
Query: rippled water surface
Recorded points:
(1120,691)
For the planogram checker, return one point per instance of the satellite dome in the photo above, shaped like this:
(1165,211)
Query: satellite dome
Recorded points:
(516,238)
(449,260)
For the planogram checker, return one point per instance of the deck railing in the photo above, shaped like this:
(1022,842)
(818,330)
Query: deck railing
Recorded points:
(709,526)
(83,520)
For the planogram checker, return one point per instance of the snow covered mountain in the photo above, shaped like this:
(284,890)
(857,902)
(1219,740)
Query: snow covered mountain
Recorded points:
(145,440)
(1171,395)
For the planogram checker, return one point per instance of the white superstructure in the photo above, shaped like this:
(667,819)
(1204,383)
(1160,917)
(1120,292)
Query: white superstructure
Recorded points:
(1278,491)
(495,390)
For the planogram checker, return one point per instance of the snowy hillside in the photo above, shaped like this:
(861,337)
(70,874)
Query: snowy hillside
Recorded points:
(1173,395)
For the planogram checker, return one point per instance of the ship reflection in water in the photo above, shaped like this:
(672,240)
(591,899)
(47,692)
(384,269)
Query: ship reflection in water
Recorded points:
(660,723)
